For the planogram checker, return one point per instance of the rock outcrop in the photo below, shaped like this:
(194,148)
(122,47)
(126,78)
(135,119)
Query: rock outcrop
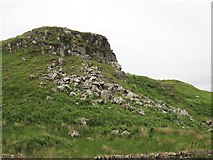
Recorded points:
(63,41)
(92,85)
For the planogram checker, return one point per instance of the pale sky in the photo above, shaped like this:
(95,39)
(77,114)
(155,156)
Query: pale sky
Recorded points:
(161,39)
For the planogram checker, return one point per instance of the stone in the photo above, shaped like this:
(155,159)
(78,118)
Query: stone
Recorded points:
(141,112)
(23,59)
(34,42)
(32,76)
(95,88)
(66,86)
(66,79)
(88,84)
(125,133)
(73,133)
(121,89)
(109,86)
(62,51)
(73,94)
(98,101)
(210,130)
(139,103)
(115,132)
(118,100)
(130,95)
(93,78)
(89,138)
(48,97)
(181,112)
(116,65)
(61,87)
(88,92)
(96,83)
(75,84)
(131,108)
(96,94)
(81,50)
(83,121)
(77,80)
(67,31)
(209,123)
(105,95)
(41,84)
(54,76)
(61,61)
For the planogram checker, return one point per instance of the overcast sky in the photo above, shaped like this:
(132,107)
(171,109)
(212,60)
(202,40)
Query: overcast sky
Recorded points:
(161,39)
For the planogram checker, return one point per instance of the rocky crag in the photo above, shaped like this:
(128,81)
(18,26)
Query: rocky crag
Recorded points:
(62,41)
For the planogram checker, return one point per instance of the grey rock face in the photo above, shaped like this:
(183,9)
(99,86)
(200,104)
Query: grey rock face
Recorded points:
(65,42)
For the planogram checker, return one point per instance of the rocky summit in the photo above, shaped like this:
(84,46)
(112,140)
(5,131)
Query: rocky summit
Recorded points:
(65,95)
(63,41)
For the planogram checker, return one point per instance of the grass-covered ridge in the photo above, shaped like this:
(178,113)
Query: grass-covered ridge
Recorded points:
(36,119)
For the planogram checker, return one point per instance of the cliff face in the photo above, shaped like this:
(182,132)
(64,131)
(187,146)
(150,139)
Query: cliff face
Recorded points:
(63,41)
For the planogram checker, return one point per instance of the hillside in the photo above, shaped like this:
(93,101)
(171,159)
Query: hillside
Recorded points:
(65,95)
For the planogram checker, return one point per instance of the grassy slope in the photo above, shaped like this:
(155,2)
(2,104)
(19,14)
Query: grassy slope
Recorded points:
(37,127)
